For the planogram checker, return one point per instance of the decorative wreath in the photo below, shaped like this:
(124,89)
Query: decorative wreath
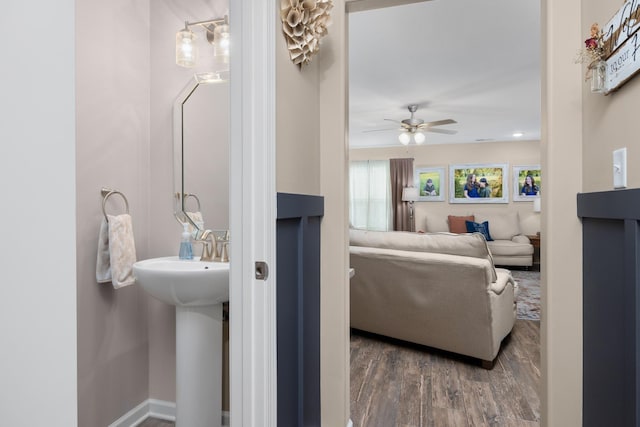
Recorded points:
(304,23)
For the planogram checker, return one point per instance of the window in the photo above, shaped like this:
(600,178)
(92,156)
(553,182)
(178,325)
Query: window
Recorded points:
(370,195)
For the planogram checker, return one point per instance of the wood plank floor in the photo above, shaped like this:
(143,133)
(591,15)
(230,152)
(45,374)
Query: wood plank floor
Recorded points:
(154,422)
(403,385)
(399,384)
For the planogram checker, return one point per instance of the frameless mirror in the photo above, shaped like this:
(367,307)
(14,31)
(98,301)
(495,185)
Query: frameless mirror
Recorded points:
(201,154)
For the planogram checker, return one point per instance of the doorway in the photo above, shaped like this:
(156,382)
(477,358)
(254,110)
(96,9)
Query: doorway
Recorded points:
(437,100)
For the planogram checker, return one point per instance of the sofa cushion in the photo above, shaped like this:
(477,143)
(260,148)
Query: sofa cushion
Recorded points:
(471,245)
(504,225)
(457,223)
(436,223)
(474,227)
(509,248)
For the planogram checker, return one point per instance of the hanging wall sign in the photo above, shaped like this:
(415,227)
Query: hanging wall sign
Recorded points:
(622,45)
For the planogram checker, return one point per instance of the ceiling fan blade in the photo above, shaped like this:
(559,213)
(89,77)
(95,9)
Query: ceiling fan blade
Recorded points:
(379,130)
(394,121)
(445,131)
(439,123)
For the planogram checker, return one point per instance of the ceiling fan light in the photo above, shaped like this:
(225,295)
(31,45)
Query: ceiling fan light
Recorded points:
(419,137)
(404,138)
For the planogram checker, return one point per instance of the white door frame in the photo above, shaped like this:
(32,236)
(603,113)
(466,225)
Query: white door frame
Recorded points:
(252,308)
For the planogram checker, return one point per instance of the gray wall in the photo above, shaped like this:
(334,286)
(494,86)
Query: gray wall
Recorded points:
(127,82)
(167,81)
(112,149)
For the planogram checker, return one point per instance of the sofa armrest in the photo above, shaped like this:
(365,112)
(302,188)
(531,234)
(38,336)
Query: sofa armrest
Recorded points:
(520,238)
(504,278)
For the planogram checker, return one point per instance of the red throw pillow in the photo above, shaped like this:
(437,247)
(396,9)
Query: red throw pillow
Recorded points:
(457,224)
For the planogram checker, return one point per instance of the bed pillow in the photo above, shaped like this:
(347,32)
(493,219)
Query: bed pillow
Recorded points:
(457,223)
(474,227)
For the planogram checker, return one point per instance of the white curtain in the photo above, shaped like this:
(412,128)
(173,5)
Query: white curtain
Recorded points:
(370,195)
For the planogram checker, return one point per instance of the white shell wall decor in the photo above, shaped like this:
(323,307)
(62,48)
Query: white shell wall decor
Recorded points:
(304,23)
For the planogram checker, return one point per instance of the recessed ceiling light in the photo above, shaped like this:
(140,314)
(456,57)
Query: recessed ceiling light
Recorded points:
(517,134)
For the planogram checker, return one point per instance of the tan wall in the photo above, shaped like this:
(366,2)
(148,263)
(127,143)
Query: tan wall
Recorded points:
(311,158)
(112,149)
(335,255)
(609,121)
(513,153)
(561,255)
(297,124)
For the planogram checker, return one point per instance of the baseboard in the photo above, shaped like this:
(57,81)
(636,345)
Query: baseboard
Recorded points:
(154,408)
(133,417)
(161,409)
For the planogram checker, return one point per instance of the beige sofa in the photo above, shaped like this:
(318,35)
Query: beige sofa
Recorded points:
(509,247)
(440,290)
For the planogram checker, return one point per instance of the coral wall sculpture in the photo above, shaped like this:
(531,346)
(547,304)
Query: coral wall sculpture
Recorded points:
(304,23)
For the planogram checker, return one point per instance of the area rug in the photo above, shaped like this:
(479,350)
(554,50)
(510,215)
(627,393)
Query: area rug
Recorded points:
(528,296)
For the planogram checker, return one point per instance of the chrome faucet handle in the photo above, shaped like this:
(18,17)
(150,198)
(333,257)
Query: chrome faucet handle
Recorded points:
(209,247)
(224,254)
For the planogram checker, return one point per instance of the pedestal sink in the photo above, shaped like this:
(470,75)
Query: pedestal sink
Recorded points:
(197,289)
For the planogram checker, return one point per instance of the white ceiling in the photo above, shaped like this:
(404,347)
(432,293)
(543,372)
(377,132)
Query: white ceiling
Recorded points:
(475,61)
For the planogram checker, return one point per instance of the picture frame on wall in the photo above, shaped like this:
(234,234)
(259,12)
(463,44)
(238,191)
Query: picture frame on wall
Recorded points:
(479,183)
(527,183)
(430,182)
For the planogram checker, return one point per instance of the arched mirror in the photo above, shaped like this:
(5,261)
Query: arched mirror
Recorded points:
(201,154)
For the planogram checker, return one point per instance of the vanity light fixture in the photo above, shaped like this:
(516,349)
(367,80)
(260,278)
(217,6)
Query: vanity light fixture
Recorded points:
(221,41)
(217,32)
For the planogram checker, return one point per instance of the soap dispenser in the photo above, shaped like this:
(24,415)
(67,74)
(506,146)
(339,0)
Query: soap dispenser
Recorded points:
(186,248)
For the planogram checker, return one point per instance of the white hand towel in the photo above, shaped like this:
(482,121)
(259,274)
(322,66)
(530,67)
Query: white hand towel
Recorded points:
(122,249)
(103,265)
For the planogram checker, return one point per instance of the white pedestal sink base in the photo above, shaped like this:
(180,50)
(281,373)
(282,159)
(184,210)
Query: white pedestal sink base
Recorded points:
(199,366)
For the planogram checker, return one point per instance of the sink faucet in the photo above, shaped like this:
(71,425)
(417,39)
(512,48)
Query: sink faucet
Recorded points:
(210,244)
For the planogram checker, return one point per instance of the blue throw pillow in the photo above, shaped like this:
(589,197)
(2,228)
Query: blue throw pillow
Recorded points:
(474,227)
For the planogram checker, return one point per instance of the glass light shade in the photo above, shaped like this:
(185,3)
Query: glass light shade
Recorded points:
(419,137)
(404,138)
(221,41)
(186,48)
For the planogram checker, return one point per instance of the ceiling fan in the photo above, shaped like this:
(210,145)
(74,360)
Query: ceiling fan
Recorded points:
(416,127)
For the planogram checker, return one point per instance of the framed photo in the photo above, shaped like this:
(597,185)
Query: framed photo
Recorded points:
(527,183)
(430,182)
(479,183)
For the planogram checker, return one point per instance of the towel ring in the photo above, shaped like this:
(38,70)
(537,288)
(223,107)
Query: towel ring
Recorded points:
(187,195)
(106,193)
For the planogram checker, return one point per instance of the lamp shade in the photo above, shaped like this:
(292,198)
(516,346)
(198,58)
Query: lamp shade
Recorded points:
(409,194)
(537,204)
(404,138)
(419,137)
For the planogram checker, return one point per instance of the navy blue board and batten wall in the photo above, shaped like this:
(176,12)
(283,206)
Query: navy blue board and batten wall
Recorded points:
(611,307)
(298,308)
